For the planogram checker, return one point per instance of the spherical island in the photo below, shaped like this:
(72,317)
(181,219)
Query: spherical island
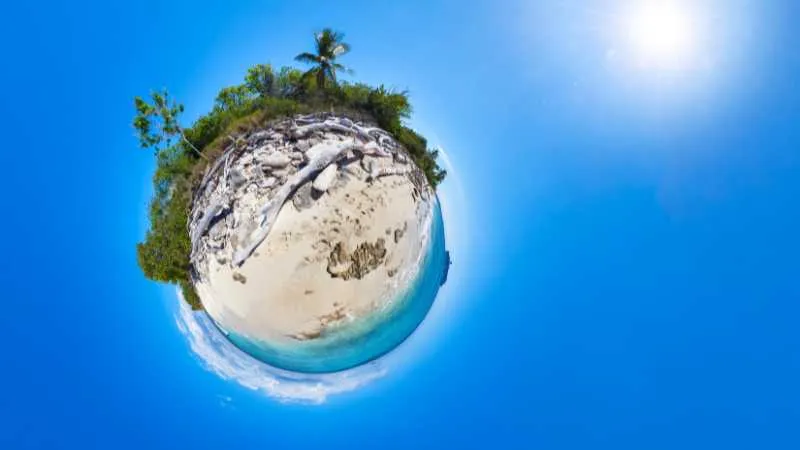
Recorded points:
(317,244)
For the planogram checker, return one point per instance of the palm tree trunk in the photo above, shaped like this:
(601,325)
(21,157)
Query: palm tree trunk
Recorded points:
(321,78)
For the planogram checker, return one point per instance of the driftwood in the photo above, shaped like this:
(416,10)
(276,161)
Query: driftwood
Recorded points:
(324,154)
(345,126)
(318,171)
(216,206)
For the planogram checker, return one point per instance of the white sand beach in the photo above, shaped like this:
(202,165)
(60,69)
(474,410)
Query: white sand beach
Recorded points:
(304,276)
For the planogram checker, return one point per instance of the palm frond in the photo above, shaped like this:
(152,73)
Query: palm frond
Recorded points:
(341,49)
(308,58)
(330,43)
(342,68)
(324,42)
(336,36)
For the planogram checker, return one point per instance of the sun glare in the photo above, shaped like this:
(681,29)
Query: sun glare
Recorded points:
(662,34)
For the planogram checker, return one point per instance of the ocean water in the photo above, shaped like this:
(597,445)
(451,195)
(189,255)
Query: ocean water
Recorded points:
(367,339)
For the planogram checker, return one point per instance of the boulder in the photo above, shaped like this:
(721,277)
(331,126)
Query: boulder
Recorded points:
(281,175)
(364,259)
(239,277)
(398,233)
(325,179)
(258,136)
(245,160)
(276,159)
(218,231)
(236,178)
(302,197)
(266,183)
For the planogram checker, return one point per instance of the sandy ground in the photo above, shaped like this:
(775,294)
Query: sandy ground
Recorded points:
(286,292)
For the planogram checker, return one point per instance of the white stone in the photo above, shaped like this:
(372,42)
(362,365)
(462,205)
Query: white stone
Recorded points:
(268,182)
(325,179)
(276,160)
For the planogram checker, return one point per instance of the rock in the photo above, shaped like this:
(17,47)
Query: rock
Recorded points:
(338,261)
(398,233)
(236,178)
(366,258)
(245,160)
(216,245)
(302,197)
(325,179)
(281,175)
(307,335)
(258,136)
(263,150)
(302,146)
(218,231)
(266,183)
(239,277)
(276,159)
(335,316)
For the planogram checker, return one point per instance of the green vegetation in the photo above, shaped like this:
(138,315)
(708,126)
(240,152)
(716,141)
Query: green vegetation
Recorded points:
(182,154)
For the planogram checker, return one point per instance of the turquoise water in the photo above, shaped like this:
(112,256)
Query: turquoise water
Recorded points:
(363,341)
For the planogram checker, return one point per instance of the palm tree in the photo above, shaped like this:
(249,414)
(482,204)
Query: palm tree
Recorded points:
(330,46)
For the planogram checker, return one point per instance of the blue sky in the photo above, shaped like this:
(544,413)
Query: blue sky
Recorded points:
(624,235)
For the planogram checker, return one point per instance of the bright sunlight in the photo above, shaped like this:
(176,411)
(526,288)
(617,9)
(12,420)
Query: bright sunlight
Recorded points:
(662,34)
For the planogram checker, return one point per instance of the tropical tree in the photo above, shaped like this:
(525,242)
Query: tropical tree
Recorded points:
(260,79)
(233,98)
(157,123)
(330,45)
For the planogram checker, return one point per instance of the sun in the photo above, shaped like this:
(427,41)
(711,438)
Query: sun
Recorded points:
(662,33)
